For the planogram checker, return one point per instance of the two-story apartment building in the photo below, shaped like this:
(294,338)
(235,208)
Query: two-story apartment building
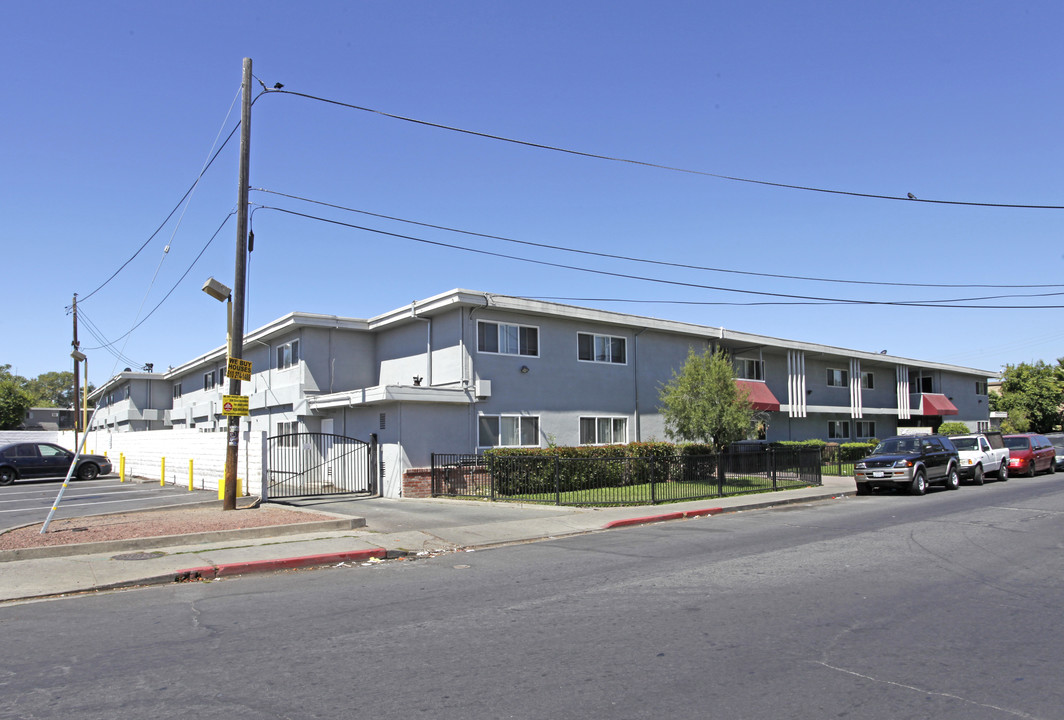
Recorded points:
(464,371)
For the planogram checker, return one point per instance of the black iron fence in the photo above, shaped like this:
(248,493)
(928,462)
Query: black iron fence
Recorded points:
(623,480)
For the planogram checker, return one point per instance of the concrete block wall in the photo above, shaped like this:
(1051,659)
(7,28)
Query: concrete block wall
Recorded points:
(144,452)
(14,436)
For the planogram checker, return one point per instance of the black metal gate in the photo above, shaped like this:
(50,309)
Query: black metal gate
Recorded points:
(301,464)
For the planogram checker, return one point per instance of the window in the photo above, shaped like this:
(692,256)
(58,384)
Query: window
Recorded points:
(603,430)
(287,355)
(868,382)
(601,348)
(508,431)
(920,382)
(208,380)
(287,431)
(838,429)
(980,387)
(507,339)
(125,392)
(982,425)
(838,378)
(177,390)
(749,369)
(866,429)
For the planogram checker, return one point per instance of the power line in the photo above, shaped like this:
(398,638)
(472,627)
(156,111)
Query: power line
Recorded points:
(177,206)
(541,146)
(641,260)
(952,303)
(171,290)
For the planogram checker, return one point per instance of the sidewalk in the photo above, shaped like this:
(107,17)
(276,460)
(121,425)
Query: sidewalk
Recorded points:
(367,530)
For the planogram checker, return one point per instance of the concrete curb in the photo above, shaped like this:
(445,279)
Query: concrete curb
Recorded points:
(152,543)
(209,572)
(775,502)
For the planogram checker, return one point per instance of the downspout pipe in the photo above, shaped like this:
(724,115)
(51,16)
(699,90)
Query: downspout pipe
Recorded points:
(428,341)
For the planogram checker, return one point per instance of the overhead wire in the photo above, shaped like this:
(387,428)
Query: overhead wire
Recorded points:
(175,285)
(658,166)
(628,258)
(947,303)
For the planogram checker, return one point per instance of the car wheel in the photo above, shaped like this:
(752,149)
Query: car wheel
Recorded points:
(953,480)
(1030,469)
(1052,467)
(88,471)
(1003,472)
(864,489)
(977,476)
(7,476)
(919,486)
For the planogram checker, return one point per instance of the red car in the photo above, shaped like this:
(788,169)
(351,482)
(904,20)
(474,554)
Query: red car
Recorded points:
(1030,453)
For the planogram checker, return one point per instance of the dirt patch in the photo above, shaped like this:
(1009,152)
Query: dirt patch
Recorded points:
(151,523)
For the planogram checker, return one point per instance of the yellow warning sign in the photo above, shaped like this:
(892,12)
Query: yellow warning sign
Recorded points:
(235,405)
(237,369)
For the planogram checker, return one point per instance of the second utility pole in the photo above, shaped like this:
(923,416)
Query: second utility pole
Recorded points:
(239,283)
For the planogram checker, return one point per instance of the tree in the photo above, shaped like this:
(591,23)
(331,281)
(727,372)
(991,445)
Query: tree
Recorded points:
(1032,391)
(14,402)
(702,403)
(54,389)
(953,428)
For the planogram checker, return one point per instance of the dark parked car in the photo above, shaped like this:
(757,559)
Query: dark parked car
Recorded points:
(1058,444)
(1030,453)
(909,462)
(38,459)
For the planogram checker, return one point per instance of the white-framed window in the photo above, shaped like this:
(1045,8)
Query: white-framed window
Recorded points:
(209,380)
(508,431)
(865,429)
(980,387)
(177,390)
(982,425)
(749,369)
(838,429)
(603,430)
(126,392)
(287,355)
(921,381)
(288,430)
(838,378)
(505,339)
(601,348)
(868,382)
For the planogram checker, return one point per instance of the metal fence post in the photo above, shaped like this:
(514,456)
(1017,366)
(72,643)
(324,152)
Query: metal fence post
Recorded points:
(772,467)
(653,483)
(720,474)
(557,482)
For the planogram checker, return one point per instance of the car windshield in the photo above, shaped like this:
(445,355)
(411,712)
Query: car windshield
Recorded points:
(895,446)
(1017,443)
(965,443)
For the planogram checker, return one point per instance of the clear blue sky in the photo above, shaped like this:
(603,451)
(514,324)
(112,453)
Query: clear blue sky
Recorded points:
(111,110)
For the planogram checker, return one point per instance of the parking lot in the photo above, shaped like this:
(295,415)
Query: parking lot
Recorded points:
(28,501)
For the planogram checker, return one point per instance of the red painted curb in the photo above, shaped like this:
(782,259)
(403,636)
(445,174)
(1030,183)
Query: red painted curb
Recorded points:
(241,568)
(642,520)
(704,513)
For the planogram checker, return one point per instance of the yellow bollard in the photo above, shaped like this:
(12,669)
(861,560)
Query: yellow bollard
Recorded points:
(239,488)
(162,473)
(190,474)
(121,467)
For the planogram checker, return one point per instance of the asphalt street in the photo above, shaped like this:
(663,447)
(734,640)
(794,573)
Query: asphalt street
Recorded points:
(28,501)
(888,606)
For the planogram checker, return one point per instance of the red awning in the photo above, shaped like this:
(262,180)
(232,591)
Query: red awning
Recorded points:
(935,404)
(759,395)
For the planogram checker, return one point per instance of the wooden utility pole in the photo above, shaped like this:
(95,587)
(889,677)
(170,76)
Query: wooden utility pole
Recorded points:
(232,449)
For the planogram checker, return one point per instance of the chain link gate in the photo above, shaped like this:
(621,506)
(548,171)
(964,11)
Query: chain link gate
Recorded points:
(301,464)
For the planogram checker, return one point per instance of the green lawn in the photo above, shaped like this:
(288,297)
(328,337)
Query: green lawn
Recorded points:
(663,492)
